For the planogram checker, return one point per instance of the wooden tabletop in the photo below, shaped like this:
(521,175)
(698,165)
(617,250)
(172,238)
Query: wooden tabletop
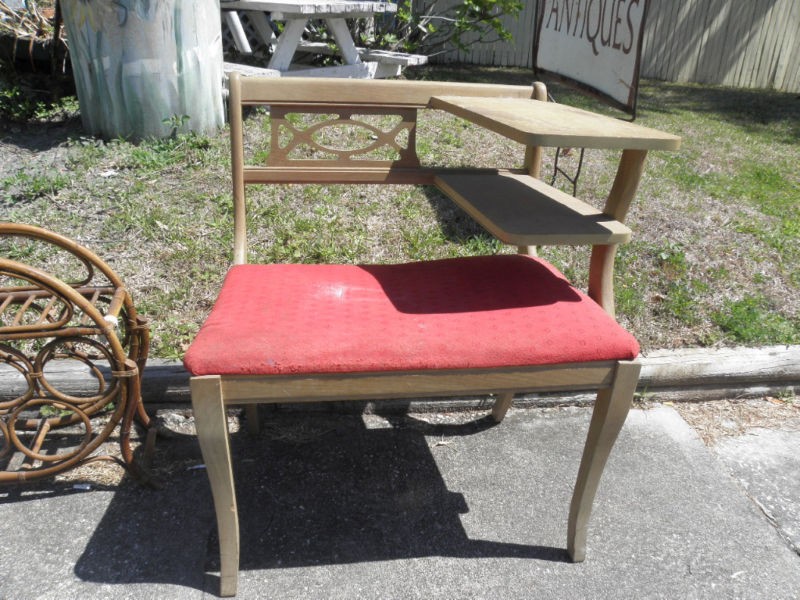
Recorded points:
(536,123)
(310,8)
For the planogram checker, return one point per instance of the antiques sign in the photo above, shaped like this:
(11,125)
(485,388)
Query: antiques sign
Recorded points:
(593,43)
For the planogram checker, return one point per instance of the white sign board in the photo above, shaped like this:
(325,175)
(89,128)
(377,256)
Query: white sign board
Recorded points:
(593,43)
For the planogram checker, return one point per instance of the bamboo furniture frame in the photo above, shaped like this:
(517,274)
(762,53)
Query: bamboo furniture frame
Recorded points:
(90,320)
(494,197)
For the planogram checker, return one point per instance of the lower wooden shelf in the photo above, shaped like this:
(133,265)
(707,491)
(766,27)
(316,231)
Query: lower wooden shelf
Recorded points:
(521,210)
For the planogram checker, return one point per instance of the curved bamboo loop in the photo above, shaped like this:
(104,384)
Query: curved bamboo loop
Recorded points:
(43,318)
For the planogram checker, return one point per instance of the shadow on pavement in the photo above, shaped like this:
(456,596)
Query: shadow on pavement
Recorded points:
(313,489)
(151,535)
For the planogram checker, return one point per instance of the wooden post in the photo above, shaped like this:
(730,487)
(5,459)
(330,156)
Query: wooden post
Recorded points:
(601,264)
(533,154)
(533,157)
(146,68)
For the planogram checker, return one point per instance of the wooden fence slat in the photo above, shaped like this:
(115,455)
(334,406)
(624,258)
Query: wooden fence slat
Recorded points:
(685,63)
(770,66)
(716,28)
(745,33)
(758,46)
(653,48)
(679,39)
(780,14)
(772,44)
(702,40)
(788,76)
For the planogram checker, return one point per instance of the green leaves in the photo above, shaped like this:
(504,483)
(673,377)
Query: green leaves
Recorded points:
(439,26)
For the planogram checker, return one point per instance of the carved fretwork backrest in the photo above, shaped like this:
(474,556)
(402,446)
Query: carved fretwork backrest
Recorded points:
(343,137)
(336,131)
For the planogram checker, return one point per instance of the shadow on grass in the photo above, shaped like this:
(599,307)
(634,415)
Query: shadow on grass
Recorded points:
(751,110)
(38,137)
(456,225)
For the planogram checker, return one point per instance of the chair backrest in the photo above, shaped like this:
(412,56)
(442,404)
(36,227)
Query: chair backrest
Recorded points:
(336,131)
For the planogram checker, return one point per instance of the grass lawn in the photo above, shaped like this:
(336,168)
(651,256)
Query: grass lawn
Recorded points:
(715,258)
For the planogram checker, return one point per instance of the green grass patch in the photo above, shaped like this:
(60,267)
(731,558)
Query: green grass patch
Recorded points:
(769,189)
(754,320)
(24,186)
(679,290)
(715,256)
(18,106)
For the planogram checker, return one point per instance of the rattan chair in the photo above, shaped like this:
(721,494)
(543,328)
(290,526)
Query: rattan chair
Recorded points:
(85,317)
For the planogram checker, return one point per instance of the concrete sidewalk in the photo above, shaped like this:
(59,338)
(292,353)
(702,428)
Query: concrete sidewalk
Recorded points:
(425,506)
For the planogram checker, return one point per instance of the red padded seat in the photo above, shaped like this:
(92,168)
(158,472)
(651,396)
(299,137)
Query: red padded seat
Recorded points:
(463,313)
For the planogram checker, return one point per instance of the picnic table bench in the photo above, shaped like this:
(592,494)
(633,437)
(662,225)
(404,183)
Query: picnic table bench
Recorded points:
(295,15)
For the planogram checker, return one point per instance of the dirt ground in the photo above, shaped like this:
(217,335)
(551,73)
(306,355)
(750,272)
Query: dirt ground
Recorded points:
(38,145)
(716,419)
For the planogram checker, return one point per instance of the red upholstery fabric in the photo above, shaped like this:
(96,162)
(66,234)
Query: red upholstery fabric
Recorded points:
(477,312)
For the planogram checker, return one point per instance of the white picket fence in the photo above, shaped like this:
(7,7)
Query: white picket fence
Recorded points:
(740,43)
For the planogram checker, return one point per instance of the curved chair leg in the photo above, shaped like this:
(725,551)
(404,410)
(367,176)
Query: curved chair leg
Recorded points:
(501,406)
(609,414)
(212,432)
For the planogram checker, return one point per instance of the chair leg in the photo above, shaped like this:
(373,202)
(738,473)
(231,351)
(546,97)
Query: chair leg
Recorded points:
(609,414)
(501,406)
(212,432)
(251,415)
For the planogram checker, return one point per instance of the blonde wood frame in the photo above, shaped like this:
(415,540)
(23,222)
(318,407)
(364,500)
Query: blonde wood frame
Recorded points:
(211,394)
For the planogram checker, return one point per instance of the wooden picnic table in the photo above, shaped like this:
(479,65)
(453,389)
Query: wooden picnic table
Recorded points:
(358,62)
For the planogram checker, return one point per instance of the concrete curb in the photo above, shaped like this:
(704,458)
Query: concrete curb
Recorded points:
(689,374)
(667,375)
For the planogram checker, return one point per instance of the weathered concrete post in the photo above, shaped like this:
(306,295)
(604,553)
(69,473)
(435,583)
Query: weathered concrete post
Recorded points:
(144,68)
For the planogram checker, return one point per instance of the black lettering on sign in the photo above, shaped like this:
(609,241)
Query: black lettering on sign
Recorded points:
(597,18)
(602,23)
(617,20)
(627,49)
